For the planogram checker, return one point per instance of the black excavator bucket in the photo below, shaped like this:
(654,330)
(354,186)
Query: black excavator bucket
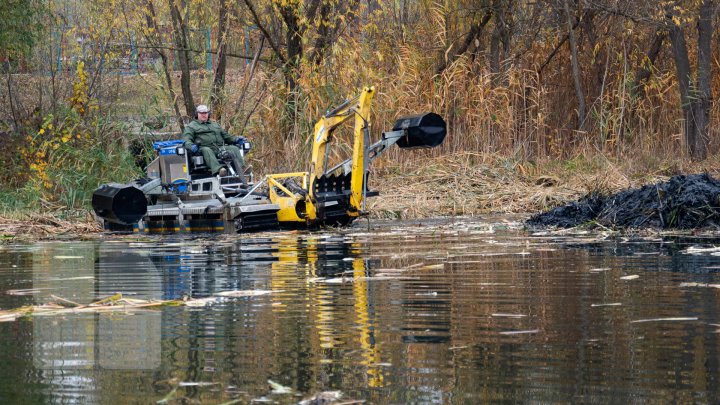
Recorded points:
(122,204)
(423,130)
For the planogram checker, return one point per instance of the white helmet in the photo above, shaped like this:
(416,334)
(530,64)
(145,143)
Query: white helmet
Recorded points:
(202,108)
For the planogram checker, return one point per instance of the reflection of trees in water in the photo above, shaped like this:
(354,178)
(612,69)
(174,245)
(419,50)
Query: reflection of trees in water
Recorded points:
(407,336)
(606,344)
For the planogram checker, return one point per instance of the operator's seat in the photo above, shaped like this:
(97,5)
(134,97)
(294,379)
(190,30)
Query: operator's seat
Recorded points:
(197,166)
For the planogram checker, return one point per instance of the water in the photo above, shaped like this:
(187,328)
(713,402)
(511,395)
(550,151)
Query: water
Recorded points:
(457,313)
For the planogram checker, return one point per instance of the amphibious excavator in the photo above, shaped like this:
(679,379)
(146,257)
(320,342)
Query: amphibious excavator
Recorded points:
(180,194)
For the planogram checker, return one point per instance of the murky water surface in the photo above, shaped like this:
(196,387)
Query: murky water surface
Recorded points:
(463,312)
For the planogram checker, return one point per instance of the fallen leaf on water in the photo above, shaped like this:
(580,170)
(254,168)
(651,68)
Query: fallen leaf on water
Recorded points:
(326,397)
(200,302)
(690,318)
(466,262)
(9,317)
(244,293)
(520,332)
(599,270)
(196,384)
(279,388)
(71,278)
(699,285)
(433,267)
(28,291)
(235,401)
(693,250)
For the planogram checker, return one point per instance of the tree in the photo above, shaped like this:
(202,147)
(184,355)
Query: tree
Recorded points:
(695,95)
(219,76)
(20,26)
(152,35)
(577,80)
(180,36)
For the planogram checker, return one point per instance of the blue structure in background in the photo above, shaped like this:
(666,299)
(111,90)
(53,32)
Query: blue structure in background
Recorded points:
(208,58)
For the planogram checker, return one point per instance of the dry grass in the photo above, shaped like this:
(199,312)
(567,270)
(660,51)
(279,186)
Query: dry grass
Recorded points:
(475,184)
(464,185)
(35,226)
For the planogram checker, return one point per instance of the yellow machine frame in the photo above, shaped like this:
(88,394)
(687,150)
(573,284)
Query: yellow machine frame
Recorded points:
(296,207)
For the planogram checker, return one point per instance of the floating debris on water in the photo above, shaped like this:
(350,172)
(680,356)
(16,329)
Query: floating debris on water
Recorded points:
(611,304)
(326,397)
(115,303)
(500,315)
(27,291)
(246,293)
(279,388)
(675,319)
(694,250)
(197,384)
(70,278)
(200,302)
(520,332)
(631,277)
(705,285)
(600,270)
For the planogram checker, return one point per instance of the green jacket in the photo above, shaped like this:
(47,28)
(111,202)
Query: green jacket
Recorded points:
(208,134)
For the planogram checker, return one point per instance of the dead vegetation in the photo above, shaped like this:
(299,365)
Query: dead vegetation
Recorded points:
(472,184)
(114,303)
(37,226)
(682,202)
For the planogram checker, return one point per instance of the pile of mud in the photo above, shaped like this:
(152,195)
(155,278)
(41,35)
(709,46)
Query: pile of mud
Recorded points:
(683,202)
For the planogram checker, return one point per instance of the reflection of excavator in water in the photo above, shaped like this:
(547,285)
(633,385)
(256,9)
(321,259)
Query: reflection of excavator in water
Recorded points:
(340,329)
(178,195)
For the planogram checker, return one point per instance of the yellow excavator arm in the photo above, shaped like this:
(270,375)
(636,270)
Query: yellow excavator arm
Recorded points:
(358,108)
(336,195)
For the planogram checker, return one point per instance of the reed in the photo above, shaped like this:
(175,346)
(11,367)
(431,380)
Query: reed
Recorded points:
(507,127)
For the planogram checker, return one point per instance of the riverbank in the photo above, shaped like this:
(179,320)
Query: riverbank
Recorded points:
(475,184)
(466,184)
(35,226)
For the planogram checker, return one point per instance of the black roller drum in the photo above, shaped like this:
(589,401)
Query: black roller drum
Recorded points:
(423,130)
(119,203)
